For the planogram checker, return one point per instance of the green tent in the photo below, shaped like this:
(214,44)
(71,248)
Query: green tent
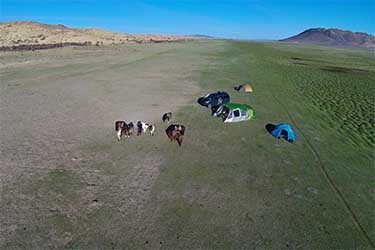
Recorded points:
(235,112)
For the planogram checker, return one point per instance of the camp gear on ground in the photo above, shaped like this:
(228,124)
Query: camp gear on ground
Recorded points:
(235,112)
(244,88)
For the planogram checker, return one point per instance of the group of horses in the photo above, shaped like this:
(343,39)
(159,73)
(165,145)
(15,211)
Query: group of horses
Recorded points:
(174,132)
(124,129)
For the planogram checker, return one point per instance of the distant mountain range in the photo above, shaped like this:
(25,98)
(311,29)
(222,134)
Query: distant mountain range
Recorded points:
(29,34)
(201,36)
(333,37)
(33,35)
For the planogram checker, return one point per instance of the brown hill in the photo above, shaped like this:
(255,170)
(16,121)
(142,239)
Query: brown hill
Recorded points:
(333,37)
(23,33)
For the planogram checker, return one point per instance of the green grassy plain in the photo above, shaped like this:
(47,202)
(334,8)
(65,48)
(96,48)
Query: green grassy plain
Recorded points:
(255,191)
(230,186)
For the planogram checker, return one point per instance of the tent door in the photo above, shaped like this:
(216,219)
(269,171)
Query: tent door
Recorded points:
(284,134)
(236,115)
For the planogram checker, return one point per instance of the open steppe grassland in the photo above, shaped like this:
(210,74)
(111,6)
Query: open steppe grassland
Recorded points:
(67,182)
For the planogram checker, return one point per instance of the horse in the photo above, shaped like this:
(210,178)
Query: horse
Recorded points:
(167,117)
(144,127)
(176,132)
(131,128)
(123,129)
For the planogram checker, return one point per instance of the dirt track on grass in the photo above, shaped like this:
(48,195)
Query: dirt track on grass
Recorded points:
(53,103)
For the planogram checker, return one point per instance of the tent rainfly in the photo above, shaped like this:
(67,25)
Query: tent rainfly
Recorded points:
(234,112)
(285,131)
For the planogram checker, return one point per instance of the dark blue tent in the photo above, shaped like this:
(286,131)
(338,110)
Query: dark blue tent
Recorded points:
(284,131)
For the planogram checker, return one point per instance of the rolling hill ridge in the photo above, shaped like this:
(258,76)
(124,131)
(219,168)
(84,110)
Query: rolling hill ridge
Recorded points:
(333,37)
(25,33)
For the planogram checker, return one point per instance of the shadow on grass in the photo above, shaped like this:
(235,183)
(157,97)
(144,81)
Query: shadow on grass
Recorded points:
(270,127)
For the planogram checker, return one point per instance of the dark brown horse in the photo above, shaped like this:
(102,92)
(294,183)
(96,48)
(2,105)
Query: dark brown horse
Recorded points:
(176,132)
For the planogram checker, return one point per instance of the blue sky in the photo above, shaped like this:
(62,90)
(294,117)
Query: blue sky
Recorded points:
(246,19)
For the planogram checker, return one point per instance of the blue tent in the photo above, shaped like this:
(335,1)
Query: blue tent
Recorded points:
(284,131)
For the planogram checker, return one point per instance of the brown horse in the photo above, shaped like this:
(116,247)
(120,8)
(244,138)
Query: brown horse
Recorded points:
(176,132)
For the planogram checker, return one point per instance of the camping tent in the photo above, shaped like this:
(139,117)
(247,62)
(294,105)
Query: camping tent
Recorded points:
(244,88)
(284,131)
(234,112)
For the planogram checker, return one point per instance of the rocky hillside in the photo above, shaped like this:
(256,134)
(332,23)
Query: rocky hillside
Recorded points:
(24,33)
(333,37)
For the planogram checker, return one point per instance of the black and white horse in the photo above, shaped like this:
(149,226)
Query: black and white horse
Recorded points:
(144,127)
(123,129)
(167,117)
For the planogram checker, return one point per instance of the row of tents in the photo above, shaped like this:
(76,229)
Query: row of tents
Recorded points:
(236,112)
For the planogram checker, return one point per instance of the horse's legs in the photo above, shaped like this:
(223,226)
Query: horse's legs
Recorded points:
(179,140)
